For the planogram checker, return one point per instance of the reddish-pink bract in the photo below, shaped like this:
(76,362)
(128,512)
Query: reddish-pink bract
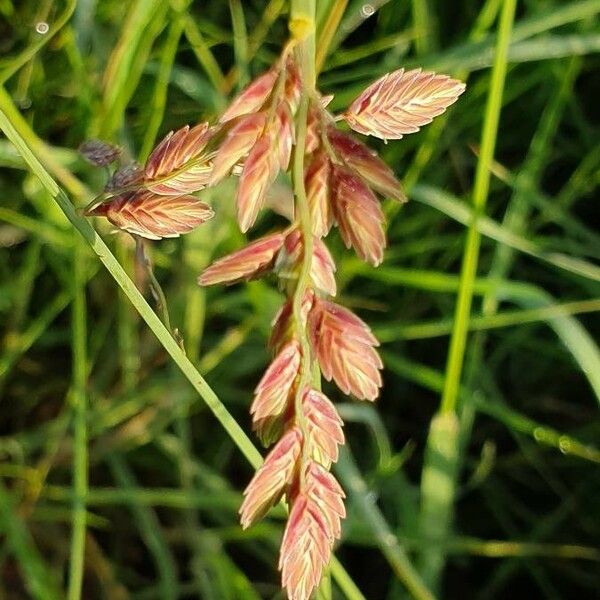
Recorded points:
(359,215)
(253,97)
(249,262)
(153,216)
(270,481)
(401,102)
(176,167)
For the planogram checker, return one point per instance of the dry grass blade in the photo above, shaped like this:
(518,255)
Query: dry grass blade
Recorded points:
(401,102)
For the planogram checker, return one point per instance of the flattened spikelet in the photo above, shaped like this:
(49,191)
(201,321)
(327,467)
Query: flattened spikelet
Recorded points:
(359,215)
(318,193)
(401,102)
(324,427)
(253,97)
(311,530)
(345,349)
(153,216)
(273,390)
(249,262)
(238,142)
(270,481)
(367,164)
(174,167)
(260,170)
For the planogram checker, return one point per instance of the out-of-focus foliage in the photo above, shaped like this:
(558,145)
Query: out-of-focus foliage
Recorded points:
(165,479)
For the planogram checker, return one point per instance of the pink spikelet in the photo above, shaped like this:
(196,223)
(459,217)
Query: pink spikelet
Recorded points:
(270,481)
(260,170)
(343,180)
(253,97)
(318,189)
(153,216)
(177,165)
(401,102)
(289,262)
(238,142)
(272,394)
(366,164)
(345,349)
(247,263)
(324,427)
(312,528)
(358,215)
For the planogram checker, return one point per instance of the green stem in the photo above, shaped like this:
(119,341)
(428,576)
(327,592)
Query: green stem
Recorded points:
(17,137)
(38,578)
(302,26)
(19,133)
(480,192)
(441,464)
(155,287)
(159,99)
(240,40)
(80,453)
(328,32)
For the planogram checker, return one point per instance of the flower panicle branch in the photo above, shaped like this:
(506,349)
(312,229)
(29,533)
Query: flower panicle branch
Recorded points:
(342,179)
(338,183)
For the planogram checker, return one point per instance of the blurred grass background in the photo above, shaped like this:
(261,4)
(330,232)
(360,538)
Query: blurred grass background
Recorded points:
(510,487)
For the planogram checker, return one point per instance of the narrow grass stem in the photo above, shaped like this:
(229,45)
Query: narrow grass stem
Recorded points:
(305,12)
(18,131)
(155,287)
(80,452)
(480,192)
(442,454)
(328,32)
(240,41)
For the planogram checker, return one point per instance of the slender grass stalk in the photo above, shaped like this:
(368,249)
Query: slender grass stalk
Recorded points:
(442,453)
(142,26)
(480,192)
(240,41)
(428,329)
(433,380)
(328,32)
(129,288)
(159,98)
(79,402)
(385,539)
(18,132)
(422,19)
(39,580)
(127,336)
(302,26)
(273,9)
(463,213)
(203,54)
(16,346)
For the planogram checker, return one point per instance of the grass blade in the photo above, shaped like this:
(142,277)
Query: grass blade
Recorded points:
(78,399)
